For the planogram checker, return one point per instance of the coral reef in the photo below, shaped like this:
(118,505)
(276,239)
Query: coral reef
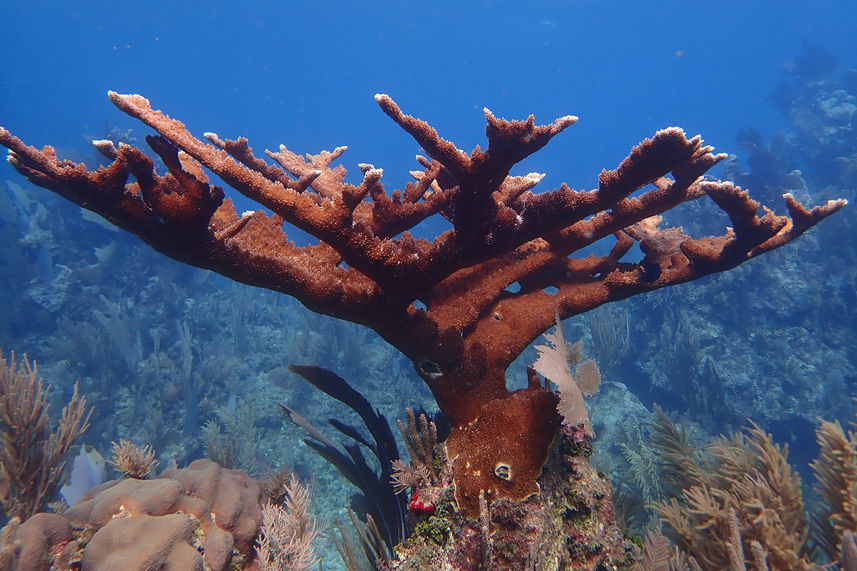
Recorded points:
(443,303)
(461,307)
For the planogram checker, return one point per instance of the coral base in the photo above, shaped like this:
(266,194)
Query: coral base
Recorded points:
(569,524)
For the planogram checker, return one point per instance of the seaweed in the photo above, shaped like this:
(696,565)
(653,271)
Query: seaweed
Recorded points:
(376,490)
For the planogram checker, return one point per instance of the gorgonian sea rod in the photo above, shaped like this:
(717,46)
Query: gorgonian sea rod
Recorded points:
(445,303)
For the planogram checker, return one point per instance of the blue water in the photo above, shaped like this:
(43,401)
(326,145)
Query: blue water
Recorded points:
(304,75)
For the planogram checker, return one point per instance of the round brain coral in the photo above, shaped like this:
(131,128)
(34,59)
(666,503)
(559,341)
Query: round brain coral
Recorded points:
(200,517)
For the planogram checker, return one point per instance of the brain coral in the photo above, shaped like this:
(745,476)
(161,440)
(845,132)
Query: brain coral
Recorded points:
(200,517)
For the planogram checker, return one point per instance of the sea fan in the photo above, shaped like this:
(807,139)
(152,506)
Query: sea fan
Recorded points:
(555,362)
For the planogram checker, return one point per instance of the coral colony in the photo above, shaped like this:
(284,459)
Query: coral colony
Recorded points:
(461,306)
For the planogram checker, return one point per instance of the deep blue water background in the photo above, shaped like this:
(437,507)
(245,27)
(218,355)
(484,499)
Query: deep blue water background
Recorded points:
(305,74)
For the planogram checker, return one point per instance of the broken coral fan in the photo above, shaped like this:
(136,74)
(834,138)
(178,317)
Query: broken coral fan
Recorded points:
(448,303)
(555,362)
